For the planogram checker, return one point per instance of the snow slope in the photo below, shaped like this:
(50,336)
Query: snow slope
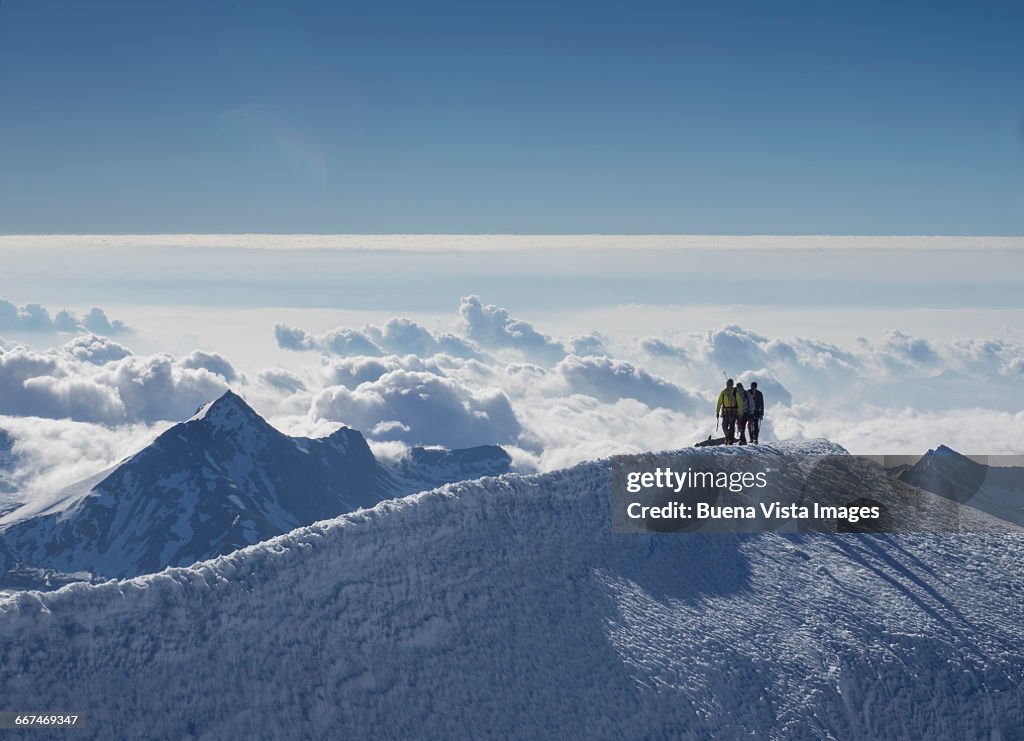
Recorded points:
(505,607)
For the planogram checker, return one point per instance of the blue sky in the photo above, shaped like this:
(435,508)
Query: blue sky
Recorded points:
(733,118)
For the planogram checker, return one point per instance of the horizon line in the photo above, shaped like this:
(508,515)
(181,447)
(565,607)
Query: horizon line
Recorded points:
(490,242)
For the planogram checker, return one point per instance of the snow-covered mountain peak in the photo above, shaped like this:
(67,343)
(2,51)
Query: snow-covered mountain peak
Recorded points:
(946,459)
(346,438)
(229,412)
(221,480)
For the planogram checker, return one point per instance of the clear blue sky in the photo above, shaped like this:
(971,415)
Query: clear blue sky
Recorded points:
(615,117)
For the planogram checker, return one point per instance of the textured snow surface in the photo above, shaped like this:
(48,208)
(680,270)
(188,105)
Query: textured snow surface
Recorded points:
(505,607)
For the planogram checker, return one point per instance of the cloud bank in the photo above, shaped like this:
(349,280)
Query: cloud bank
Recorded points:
(421,408)
(92,379)
(396,336)
(489,376)
(36,318)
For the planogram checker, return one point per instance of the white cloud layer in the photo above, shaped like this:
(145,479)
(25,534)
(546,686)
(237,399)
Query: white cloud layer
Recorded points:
(552,401)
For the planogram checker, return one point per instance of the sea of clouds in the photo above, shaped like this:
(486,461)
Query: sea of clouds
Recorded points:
(82,404)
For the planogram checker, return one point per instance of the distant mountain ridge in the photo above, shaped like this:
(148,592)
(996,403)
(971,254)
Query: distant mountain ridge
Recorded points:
(222,480)
(996,490)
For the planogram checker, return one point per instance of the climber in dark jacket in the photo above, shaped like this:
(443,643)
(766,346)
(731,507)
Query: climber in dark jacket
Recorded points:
(745,413)
(756,412)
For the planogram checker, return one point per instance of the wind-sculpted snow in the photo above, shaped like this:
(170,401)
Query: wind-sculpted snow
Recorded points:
(506,608)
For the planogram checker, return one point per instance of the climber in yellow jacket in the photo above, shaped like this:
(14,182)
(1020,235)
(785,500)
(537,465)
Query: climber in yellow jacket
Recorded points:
(730,409)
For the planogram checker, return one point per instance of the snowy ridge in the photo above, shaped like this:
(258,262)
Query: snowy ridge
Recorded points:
(505,607)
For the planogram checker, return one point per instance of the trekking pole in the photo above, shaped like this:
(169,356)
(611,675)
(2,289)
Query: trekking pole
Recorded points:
(717,420)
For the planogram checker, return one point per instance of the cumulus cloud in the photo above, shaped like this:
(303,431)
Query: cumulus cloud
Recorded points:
(353,371)
(211,361)
(65,321)
(479,328)
(406,337)
(903,345)
(282,380)
(593,343)
(661,349)
(292,338)
(397,336)
(27,318)
(73,398)
(492,327)
(423,409)
(94,349)
(341,341)
(345,341)
(773,391)
(36,318)
(156,388)
(1013,367)
(96,321)
(17,365)
(610,380)
(69,384)
(734,349)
